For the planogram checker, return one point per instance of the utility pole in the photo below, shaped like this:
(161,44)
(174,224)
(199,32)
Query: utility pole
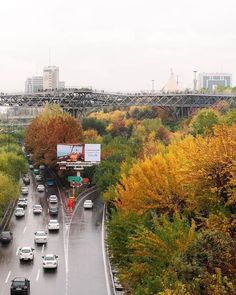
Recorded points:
(153,86)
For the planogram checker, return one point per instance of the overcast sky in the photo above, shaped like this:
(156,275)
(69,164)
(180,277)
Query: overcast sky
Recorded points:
(117,45)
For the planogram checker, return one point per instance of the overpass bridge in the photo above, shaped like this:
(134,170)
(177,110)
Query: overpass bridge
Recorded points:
(78,101)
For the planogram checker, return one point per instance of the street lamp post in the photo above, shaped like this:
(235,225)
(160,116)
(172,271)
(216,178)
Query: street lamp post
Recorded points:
(153,86)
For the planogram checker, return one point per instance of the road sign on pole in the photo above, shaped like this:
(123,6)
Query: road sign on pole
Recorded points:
(75,179)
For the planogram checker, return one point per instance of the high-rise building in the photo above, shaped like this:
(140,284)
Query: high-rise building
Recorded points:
(28,86)
(34,84)
(211,81)
(51,77)
(62,84)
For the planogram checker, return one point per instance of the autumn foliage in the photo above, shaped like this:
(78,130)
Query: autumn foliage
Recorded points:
(47,130)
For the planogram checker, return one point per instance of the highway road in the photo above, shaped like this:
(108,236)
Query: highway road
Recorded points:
(78,244)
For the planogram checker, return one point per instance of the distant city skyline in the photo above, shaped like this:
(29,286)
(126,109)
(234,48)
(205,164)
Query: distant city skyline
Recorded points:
(126,45)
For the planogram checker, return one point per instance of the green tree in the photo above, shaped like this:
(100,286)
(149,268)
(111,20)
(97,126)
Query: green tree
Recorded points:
(93,123)
(204,121)
(13,165)
(9,190)
(230,117)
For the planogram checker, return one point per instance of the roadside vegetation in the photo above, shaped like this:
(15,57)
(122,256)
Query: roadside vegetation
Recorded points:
(170,189)
(12,166)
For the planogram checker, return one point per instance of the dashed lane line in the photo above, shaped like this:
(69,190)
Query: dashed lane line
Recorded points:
(8,277)
(17,251)
(38,273)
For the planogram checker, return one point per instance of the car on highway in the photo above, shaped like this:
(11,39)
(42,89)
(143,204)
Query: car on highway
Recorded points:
(88,204)
(26,179)
(31,166)
(19,212)
(37,209)
(50,261)
(40,188)
(38,177)
(53,199)
(50,182)
(53,224)
(40,237)
(6,236)
(20,285)
(53,209)
(26,253)
(24,190)
(22,202)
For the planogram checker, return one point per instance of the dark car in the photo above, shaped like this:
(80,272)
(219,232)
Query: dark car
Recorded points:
(6,236)
(53,209)
(50,182)
(26,180)
(20,286)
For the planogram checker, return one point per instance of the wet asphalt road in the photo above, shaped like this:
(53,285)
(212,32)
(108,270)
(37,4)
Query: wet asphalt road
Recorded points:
(78,245)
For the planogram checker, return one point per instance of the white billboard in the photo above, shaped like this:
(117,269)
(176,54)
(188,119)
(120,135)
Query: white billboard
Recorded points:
(92,153)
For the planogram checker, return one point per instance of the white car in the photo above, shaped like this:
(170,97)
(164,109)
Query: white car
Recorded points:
(19,212)
(50,261)
(22,202)
(40,188)
(38,177)
(31,166)
(41,167)
(40,237)
(88,204)
(53,224)
(53,199)
(24,190)
(37,209)
(26,253)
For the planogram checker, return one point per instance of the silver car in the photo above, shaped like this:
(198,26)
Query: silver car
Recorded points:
(26,253)
(40,237)
(50,261)
(19,212)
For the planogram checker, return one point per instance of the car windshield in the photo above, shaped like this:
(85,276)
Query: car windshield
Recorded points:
(53,221)
(19,209)
(40,234)
(5,234)
(37,206)
(49,258)
(25,250)
(18,283)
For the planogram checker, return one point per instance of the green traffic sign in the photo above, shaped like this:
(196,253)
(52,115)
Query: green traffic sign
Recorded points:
(75,179)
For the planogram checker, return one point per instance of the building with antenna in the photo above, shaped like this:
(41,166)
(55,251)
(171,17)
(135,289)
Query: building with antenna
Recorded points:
(50,78)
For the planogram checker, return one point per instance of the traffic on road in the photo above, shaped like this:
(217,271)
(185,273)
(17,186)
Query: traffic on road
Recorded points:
(43,252)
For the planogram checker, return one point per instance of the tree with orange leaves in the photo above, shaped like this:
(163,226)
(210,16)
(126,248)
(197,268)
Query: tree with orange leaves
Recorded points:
(51,127)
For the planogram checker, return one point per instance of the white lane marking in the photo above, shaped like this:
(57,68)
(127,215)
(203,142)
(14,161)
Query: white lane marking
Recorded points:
(104,252)
(29,211)
(43,248)
(8,276)
(38,273)
(24,229)
(17,251)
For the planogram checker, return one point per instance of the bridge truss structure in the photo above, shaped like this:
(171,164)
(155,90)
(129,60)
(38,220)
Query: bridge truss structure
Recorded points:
(80,102)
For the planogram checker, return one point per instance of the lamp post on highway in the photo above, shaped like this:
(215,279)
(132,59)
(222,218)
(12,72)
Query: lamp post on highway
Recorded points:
(153,86)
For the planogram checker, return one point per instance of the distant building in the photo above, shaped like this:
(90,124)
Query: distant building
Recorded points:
(34,84)
(62,85)
(172,84)
(51,77)
(28,86)
(211,81)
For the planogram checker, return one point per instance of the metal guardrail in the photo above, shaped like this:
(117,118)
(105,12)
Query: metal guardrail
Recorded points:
(7,215)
